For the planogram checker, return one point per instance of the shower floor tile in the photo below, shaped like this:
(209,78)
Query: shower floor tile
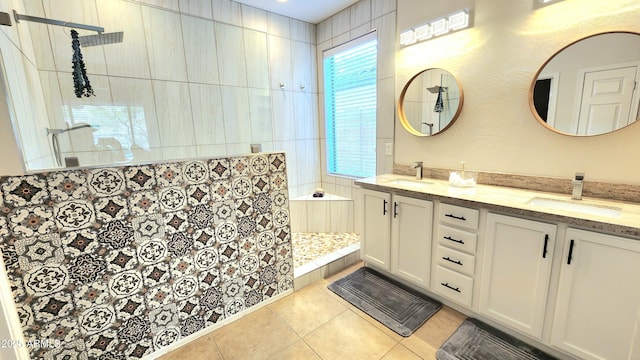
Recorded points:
(321,248)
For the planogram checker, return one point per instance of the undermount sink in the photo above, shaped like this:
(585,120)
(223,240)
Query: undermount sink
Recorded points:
(417,184)
(576,206)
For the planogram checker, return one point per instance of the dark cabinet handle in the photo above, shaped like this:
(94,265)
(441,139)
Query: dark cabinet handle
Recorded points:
(450,287)
(395,209)
(458,262)
(455,217)
(570,252)
(384,207)
(544,250)
(454,240)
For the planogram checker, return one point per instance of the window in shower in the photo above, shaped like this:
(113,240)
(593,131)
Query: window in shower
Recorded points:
(118,129)
(350,85)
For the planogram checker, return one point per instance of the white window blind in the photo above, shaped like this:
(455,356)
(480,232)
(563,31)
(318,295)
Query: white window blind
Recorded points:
(350,85)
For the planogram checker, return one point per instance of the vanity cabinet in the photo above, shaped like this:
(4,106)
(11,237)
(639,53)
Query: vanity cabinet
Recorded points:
(516,272)
(375,246)
(597,314)
(397,235)
(455,254)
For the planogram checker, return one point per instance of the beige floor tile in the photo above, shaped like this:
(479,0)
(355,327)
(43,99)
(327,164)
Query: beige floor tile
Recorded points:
(400,352)
(199,349)
(307,309)
(258,335)
(348,336)
(298,351)
(434,332)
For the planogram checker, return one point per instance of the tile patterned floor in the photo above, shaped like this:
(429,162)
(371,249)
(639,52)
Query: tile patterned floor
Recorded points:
(314,323)
(308,247)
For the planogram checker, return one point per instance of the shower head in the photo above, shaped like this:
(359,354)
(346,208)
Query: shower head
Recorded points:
(101,39)
(436,89)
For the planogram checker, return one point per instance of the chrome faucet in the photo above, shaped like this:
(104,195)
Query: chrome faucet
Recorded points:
(577,183)
(418,166)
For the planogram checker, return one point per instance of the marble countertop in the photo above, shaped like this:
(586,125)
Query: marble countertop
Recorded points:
(516,202)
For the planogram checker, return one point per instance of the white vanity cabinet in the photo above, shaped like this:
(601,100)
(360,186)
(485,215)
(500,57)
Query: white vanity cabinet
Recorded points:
(597,314)
(375,244)
(516,272)
(455,252)
(397,235)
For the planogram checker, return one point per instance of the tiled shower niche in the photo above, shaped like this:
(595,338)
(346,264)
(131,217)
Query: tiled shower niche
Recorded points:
(116,263)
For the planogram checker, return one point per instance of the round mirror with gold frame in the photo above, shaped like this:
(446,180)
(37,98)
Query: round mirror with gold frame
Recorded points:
(589,87)
(430,102)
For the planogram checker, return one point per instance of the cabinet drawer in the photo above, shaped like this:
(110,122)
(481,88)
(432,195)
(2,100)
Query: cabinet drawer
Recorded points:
(456,260)
(457,239)
(453,285)
(459,216)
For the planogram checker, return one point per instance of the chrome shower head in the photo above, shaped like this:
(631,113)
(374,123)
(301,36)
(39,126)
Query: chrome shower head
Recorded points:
(101,39)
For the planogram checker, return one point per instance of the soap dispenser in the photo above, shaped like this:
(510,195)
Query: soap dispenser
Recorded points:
(577,182)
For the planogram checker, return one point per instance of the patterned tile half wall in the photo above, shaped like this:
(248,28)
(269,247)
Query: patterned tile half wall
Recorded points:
(115,263)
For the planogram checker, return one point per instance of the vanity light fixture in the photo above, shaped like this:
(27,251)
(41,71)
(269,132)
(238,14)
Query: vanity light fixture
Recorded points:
(423,32)
(452,22)
(408,37)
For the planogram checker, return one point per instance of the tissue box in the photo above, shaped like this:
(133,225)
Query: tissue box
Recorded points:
(463,179)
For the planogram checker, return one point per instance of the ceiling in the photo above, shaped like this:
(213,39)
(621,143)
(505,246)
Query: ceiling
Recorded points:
(312,11)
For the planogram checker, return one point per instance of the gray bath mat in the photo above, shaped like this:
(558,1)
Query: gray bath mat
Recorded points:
(474,340)
(399,308)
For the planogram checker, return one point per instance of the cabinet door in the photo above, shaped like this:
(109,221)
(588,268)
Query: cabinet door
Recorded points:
(516,272)
(411,239)
(597,313)
(376,240)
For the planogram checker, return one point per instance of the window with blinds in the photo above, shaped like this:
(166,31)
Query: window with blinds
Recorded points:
(350,93)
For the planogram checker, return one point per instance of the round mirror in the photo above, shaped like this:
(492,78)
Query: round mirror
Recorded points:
(430,102)
(588,87)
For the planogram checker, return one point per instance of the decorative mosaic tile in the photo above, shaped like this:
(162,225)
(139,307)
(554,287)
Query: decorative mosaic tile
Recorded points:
(32,221)
(259,164)
(37,251)
(196,172)
(111,208)
(71,185)
(46,279)
(74,214)
(148,227)
(169,175)
(198,194)
(115,263)
(172,198)
(144,202)
(221,190)
(25,191)
(140,178)
(220,169)
(87,268)
(106,182)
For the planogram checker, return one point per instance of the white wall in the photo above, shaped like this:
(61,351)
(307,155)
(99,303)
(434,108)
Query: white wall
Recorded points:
(495,61)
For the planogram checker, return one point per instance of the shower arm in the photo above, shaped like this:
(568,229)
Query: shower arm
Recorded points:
(19,17)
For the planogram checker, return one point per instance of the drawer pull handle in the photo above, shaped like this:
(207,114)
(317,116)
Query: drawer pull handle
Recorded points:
(454,240)
(458,262)
(450,287)
(456,217)
(570,252)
